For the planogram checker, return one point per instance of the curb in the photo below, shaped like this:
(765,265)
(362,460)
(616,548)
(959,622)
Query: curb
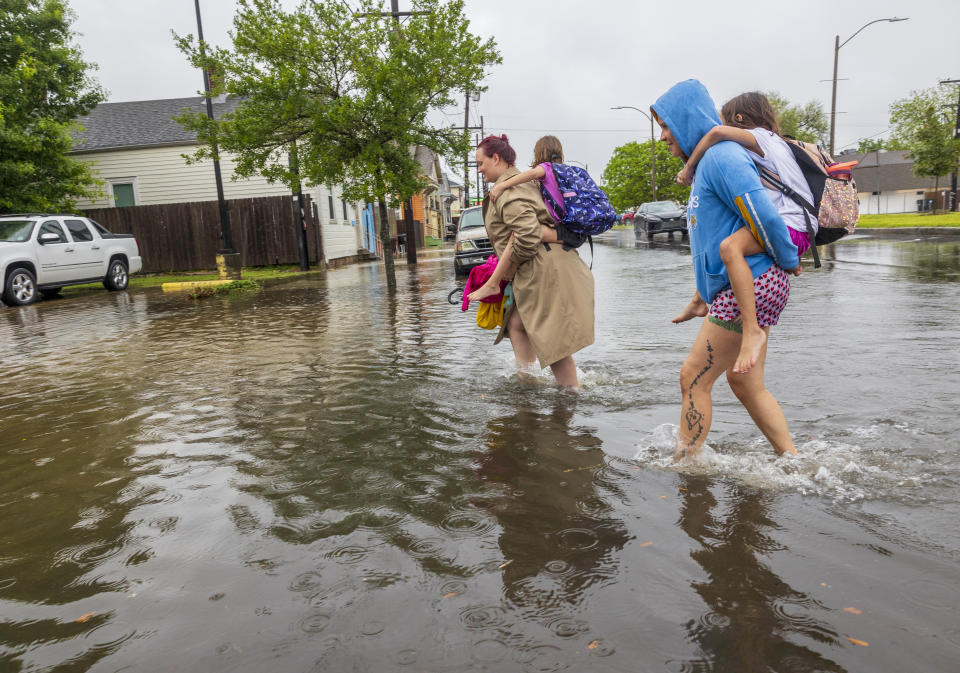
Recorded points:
(948,231)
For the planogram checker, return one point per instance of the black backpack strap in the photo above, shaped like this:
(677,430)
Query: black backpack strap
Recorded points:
(813,240)
(805,206)
(792,195)
(590,241)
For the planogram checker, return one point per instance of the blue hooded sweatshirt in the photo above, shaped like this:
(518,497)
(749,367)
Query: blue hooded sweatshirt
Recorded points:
(726,195)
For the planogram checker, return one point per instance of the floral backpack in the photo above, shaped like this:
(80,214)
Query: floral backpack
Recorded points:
(835,203)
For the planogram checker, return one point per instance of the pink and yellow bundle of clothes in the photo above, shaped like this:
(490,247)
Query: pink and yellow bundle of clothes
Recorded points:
(490,311)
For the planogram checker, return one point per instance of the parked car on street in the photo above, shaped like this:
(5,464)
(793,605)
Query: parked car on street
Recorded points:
(450,231)
(473,246)
(656,217)
(39,254)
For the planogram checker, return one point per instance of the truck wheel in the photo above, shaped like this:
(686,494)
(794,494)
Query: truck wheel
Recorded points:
(117,276)
(50,292)
(20,288)
(457,268)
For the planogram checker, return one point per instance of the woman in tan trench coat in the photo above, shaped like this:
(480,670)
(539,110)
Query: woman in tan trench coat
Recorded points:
(552,313)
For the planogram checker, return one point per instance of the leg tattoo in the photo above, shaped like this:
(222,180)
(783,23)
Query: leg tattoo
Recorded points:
(694,416)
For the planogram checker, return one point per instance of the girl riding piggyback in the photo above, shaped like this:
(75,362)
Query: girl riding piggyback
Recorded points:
(751,121)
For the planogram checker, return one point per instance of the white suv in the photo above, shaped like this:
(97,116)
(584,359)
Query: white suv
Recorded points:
(41,253)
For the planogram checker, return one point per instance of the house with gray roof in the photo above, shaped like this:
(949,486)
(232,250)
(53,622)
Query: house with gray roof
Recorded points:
(886,184)
(137,148)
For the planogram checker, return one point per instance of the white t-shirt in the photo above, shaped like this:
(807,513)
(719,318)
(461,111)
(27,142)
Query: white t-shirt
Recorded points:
(777,158)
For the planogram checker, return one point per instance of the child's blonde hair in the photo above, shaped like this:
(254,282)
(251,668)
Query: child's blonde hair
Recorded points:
(749,111)
(548,150)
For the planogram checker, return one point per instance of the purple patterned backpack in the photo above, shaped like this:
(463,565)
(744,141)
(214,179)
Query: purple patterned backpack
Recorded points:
(575,200)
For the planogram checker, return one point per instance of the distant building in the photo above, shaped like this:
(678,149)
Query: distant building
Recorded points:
(455,197)
(886,184)
(136,148)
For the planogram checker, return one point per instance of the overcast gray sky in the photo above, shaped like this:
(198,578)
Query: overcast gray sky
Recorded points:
(566,62)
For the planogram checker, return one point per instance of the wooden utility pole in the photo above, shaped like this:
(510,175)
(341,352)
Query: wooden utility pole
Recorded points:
(228,260)
(466,157)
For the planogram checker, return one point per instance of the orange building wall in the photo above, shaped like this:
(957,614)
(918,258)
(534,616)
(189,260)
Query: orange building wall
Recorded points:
(428,226)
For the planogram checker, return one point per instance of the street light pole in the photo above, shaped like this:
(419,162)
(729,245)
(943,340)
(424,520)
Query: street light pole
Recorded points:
(836,56)
(653,147)
(956,136)
(227,258)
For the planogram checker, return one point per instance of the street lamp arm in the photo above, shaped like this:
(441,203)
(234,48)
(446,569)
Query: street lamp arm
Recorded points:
(630,107)
(653,148)
(894,19)
(836,58)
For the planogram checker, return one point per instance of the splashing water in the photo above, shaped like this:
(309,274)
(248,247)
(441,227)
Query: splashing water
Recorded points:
(841,471)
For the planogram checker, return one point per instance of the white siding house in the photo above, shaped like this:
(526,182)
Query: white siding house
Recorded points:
(137,149)
(341,223)
(160,175)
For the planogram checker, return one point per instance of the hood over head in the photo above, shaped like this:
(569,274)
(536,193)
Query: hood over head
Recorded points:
(688,111)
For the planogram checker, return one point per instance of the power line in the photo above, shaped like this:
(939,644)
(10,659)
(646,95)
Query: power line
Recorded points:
(858,140)
(503,128)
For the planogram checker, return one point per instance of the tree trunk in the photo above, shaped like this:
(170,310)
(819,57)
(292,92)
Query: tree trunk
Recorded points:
(387,245)
(936,193)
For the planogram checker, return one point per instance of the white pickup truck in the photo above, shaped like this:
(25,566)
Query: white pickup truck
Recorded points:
(39,254)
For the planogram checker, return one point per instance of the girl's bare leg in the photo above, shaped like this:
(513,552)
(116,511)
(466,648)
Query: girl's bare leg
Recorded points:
(565,372)
(520,340)
(697,308)
(733,250)
(761,405)
(713,352)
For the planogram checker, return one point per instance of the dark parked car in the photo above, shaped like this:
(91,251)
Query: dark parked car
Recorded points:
(655,217)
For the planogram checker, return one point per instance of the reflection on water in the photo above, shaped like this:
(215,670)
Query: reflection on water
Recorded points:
(754,617)
(324,476)
(559,534)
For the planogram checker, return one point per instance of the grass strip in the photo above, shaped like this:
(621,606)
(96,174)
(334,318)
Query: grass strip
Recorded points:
(244,285)
(909,220)
(156,280)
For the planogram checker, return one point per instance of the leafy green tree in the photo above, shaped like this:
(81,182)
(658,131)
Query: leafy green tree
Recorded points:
(808,122)
(349,88)
(923,125)
(44,87)
(870,145)
(626,179)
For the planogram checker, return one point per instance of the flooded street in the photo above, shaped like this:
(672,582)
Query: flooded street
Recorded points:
(323,476)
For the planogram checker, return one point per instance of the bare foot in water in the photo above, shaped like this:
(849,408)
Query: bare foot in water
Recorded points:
(750,349)
(483,292)
(695,309)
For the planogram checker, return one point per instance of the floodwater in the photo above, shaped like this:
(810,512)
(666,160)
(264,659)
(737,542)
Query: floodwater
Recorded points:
(325,477)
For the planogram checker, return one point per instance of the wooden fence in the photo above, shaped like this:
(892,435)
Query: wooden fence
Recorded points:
(186,236)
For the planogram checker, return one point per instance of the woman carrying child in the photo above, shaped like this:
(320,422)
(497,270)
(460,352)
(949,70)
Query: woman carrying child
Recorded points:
(551,315)
(751,121)
(548,150)
(726,197)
